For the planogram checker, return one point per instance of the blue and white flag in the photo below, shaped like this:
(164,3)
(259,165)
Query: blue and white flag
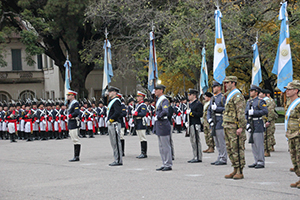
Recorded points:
(283,65)
(256,69)
(220,55)
(204,74)
(153,72)
(68,77)
(107,69)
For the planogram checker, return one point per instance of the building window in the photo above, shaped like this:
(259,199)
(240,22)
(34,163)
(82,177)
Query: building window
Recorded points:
(47,95)
(4,96)
(16,59)
(26,94)
(51,64)
(98,94)
(40,61)
(45,61)
(52,94)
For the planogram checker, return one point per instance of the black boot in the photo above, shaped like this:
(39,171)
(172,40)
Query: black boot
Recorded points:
(29,137)
(59,136)
(43,135)
(143,150)
(123,147)
(76,153)
(91,133)
(6,135)
(84,133)
(12,137)
(1,134)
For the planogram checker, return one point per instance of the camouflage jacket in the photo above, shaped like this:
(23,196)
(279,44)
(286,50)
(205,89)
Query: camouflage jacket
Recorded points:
(293,126)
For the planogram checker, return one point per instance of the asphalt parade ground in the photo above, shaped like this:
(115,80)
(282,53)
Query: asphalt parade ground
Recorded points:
(40,170)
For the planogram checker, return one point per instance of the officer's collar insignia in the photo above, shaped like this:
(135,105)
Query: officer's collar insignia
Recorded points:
(165,106)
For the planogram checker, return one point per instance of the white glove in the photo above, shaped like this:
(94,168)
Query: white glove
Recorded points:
(214,106)
(211,123)
(186,124)
(149,117)
(251,112)
(155,118)
(37,121)
(109,123)
(132,112)
(248,128)
(188,111)
(44,121)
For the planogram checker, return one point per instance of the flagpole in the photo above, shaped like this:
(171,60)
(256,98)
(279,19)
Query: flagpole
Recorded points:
(154,58)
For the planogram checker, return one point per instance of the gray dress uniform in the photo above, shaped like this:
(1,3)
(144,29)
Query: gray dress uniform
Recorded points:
(163,130)
(219,139)
(260,109)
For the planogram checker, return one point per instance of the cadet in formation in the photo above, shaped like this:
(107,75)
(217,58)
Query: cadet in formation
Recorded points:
(255,109)
(209,140)
(234,124)
(292,129)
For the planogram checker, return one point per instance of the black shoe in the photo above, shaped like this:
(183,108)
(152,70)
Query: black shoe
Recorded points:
(115,164)
(196,161)
(167,169)
(75,159)
(220,163)
(190,160)
(252,166)
(259,166)
(142,156)
(213,163)
(159,169)
(173,158)
(91,136)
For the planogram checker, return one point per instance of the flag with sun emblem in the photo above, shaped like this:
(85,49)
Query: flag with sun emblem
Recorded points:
(283,65)
(107,69)
(220,55)
(256,69)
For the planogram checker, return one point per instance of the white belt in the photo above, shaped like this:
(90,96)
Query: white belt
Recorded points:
(218,114)
(165,117)
(256,118)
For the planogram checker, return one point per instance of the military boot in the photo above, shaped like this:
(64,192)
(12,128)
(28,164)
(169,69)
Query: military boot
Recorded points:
(297,184)
(91,133)
(272,149)
(29,137)
(232,174)
(292,170)
(12,137)
(239,174)
(143,150)
(76,153)
(267,154)
(1,134)
(84,133)
(210,150)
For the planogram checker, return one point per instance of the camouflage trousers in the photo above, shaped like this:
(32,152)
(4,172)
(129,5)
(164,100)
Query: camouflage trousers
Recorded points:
(208,138)
(269,137)
(235,152)
(294,145)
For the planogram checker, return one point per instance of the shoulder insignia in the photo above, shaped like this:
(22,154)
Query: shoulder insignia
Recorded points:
(165,106)
(143,108)
(77,108)
(264,105)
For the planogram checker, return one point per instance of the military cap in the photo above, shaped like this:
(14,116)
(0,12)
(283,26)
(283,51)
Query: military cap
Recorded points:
(208,94)
(89,105)
(146,100)
(48,104)
(119,95)
(193,91)
(27,105)
(11,105)
(130,99)
(18,104)
(113,89)
(216,83)
(71,92)
(141,94)
(100,102)
(230,79)
(295,84)
(41,103)
(160,87)
(256,88)
(57,103)
(93,102)
(34,103)
(61,104)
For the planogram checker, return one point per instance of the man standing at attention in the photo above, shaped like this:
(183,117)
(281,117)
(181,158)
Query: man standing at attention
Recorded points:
(162,129)
(73,126)
(234,123)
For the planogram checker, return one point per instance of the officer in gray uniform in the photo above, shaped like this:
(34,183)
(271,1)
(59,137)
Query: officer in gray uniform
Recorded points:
(216,107)
(255,109)
(162,129)
(114,110)
(195,112)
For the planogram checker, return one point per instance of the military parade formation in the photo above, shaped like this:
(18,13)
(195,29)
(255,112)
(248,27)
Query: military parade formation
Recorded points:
(224,119)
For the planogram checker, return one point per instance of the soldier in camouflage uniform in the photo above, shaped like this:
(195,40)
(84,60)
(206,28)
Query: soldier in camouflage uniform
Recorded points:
(269,121)
(206,129)
(234,124)
(271,127)
(292,117)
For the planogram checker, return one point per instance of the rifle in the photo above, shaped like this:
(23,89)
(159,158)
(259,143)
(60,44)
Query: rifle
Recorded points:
(251,141)
(213,113)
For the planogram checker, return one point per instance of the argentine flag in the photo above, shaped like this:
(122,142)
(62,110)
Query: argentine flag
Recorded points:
(204,74)
(283,65)
(256,69)
(153,72)
(68,77)
(220,55)
(107,69)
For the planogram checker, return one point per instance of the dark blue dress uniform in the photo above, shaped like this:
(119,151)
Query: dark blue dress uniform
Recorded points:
(260,109)
(73,113)
(162,129)
(196,112)
(122,132)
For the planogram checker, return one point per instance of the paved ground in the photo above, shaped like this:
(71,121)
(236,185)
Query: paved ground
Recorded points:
(40,170)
